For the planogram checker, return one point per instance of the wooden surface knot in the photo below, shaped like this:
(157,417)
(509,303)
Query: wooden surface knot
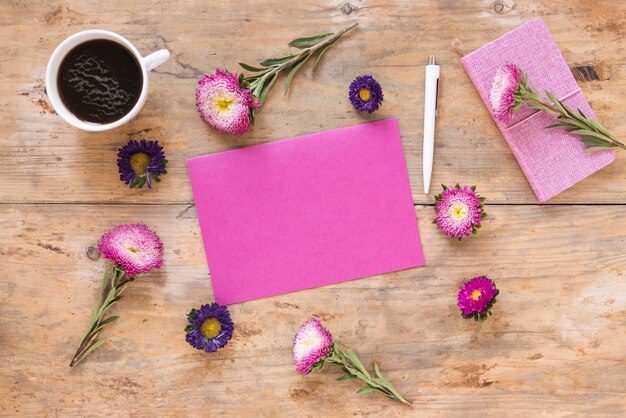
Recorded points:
(93,253)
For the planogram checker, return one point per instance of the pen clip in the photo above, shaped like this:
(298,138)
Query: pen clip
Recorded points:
(437,97)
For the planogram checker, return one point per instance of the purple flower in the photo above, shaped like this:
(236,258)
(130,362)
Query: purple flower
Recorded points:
(141,162)
(477,297)
(311,345)
(502,95)
(224,104)
(134,247)
(210,327)
(459,211)
(366,94)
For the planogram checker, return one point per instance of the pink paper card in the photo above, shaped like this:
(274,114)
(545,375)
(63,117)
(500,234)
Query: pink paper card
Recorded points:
(306,212)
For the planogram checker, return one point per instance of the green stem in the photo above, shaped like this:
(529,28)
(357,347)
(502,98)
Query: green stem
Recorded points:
(354,368)
(530,95)
(297,57)
(114,282)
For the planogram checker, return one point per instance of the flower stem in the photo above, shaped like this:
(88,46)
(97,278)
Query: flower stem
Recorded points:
(257,81)
(354,369)
(589,130)
(114,282)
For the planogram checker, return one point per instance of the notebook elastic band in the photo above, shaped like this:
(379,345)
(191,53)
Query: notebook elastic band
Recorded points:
(578,90)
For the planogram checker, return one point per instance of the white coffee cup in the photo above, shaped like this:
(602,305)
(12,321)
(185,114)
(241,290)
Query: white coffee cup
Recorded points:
(147,63)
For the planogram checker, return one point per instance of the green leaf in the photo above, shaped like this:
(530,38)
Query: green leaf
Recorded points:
(345,377)
(308,42)
(134,182)
(275,61)
(90,349)
(293,72)
(320,55)
(585,132)
(556,102)
(251,68)
(267,88)
(365,389)
(592,141)
(598,148)
(106,322)
(377,371)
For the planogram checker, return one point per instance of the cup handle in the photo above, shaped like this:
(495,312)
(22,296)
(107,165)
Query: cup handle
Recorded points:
(156,58)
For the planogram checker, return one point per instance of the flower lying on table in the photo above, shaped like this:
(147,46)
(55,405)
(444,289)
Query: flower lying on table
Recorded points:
(134,249)
(210,327)
(224,104)
(141,162)
(365,94)
(477,297)
(227,101)
(512,89)
(313,347)
(459,211)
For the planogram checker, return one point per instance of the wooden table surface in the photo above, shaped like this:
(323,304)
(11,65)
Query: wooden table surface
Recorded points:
(556,345)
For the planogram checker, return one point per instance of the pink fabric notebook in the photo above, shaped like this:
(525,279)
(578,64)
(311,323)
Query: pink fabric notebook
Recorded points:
(552,159)
(306,212)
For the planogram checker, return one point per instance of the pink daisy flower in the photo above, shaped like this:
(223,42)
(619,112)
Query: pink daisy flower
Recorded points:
(502,94)
(311,344)
(134,247)
(459,211)
(224,104)
(477,297)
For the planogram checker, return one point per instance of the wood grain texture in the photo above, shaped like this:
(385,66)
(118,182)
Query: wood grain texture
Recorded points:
(555,347)
(45,160)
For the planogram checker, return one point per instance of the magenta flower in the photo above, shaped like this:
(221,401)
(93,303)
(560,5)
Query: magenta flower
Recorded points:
(459,211)
(477,297)
(134,248)
(224,104)
(502,94)
(310,345)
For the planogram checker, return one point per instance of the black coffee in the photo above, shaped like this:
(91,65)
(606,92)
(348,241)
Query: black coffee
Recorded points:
(100,81)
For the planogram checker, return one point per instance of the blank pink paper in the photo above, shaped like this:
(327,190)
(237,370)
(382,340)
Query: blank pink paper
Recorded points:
(306,212)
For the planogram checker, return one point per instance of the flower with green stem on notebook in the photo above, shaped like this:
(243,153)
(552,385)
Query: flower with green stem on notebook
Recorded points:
(511,89)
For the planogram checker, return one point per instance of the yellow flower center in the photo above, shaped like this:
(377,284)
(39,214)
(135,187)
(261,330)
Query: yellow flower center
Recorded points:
(365,94)
(139,163)
(309,342)
(211,328)
(458,211)
(476,294)
(133,250)
(224,103)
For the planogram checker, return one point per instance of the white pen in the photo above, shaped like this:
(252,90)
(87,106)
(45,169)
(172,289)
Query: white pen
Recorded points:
(431,90)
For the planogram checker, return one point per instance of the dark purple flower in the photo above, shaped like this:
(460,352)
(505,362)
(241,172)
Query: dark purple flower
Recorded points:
(477,297)
(366,94)
(140,162)
(210,327)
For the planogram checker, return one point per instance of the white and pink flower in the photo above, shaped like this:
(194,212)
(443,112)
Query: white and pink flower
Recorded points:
(311,344)
(502,94)
(224,104)
(133,247)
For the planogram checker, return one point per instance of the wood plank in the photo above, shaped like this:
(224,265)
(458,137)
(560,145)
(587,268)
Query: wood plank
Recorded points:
(43,160)
(555,345)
